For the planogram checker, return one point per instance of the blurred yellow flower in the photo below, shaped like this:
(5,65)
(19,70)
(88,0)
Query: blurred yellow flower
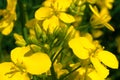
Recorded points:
(24,61)
(9,16)
(54,12)
(99,20)
(59,69)
(97,33)
(105,3)
(108,3)
(92,1)
(85,49)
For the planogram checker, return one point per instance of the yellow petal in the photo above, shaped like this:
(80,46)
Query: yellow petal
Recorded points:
(48,3)
(85,42)
(58,67)
(3,24)
(19,76)
(8,71)
(109,26)
(81,71)
(71,31)
(11,5)
(51,24)
(94,76)
(66,17)
(62,5)
(5,67)
(79,48)
(17,54)
(42,13)
(88,36)
(108,3)
(8,29)
(101,70)
(37,63)
(94,11)
(104,15)
(108,59)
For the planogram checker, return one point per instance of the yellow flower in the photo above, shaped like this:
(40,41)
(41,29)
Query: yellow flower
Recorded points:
(24,61)
(111,60)
(85,49)
(53,13)
(9,16)
(105,3)
(81,47)
(93,75)
(31,62)
(101,19)
(87,73)
(102,71)
(90,73)
(8,71)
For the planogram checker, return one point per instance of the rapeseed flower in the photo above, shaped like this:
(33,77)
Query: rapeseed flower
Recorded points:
(8,71)
(24,61)
(105,3)
(86,49)
(9,16)
(89,74)
(99,20)
(85,73)
(54,12)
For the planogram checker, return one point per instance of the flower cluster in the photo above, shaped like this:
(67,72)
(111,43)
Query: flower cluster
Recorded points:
(8,17)
(53,12)
(24,63)
(92,53)
(59,42)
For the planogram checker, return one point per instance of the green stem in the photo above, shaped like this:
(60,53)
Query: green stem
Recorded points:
(56,54)
(23,18)
(1,54)
(35,77)
(86,70)
(54,76)
(62,78)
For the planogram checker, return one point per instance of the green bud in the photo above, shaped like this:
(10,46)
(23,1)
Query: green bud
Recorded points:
(33,40)
(38,30)
(19,40)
